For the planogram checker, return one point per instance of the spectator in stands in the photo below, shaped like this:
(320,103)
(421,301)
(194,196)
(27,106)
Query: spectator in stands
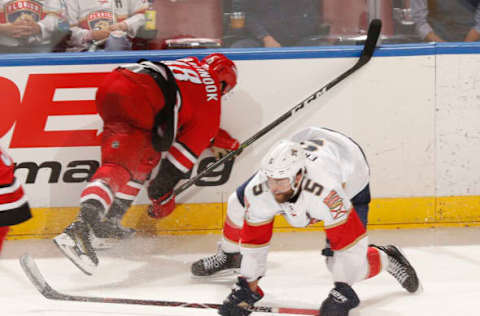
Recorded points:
(447,20)
(276,23)
(31,26)
(107,24)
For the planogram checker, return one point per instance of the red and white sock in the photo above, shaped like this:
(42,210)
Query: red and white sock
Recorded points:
(3,234)
(377,261)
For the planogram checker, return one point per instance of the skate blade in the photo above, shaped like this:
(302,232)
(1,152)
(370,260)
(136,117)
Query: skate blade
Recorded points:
(220,274)
(83,263)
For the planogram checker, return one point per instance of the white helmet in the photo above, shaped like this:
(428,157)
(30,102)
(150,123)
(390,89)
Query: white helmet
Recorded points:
(284,160)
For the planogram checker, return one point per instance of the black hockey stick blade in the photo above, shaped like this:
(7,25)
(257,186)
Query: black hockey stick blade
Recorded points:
(35,276)
(373,34)
(374,30)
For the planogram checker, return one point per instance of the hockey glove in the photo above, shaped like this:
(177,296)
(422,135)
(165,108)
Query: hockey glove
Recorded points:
(223,144)
(163,206)
(240,299)
(341,299)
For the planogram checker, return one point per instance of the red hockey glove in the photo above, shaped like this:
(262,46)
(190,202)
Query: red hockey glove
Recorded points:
(163,206)
(223,144)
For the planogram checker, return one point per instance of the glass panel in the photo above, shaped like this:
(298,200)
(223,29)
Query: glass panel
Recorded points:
(92,25)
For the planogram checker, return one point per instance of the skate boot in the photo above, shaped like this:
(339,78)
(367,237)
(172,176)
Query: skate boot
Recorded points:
(218,265)
(400,268)
(75,244)
(109,231)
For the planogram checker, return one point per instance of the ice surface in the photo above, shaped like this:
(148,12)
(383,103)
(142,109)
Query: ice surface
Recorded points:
(447,261)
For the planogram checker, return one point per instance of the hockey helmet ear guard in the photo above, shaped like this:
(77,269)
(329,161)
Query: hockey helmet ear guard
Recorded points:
(285,160)
(224,69)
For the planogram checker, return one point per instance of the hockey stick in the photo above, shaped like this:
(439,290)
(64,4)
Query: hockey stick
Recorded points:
(33,273)
(367,53)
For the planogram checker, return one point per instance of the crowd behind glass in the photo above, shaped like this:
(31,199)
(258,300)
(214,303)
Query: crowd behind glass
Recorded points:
(33,26)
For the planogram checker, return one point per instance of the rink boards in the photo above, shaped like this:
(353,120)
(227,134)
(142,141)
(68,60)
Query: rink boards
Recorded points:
(414,109)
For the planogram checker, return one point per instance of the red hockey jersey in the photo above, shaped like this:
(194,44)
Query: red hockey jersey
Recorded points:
(199,113)
(14,207)
(193,115)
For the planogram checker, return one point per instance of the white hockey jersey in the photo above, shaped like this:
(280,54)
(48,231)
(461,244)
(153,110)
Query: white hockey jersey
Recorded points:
(340,152)
(49,14)
(87,15)
(336,170)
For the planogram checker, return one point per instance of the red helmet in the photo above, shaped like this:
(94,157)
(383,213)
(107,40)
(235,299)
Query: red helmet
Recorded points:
(224,69)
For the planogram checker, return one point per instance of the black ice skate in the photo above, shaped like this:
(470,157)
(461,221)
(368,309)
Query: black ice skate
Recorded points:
(108,231)
(400,268)
(75,244)
(219,265)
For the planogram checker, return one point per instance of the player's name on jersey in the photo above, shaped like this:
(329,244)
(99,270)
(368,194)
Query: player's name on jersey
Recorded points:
(186,75)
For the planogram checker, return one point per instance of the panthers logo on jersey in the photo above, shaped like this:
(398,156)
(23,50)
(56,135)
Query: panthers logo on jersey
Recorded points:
(335,204)
(100,20)
(18,10)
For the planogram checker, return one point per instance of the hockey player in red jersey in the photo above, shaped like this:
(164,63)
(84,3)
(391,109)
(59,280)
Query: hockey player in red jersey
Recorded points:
(318,175)
(14,208)
(167,112)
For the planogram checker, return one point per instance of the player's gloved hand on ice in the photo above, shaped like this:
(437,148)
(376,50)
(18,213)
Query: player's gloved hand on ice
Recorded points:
(163,206)
(240,298)
(223,144)
(341,299)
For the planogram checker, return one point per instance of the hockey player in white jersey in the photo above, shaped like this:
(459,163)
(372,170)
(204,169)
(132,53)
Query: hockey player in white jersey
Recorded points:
(318,175)
(112,23)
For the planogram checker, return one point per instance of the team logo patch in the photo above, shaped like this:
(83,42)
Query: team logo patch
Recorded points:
(100,20)
(23,10)
(115,144)
(335,204)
